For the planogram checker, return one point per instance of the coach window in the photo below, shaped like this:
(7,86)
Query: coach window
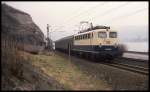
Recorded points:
(82,36)
(85,36)
(88,35)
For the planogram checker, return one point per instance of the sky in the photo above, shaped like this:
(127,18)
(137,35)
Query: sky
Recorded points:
(64,17)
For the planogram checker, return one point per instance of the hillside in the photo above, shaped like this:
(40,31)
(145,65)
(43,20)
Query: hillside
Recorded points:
(19,35)
(19,26)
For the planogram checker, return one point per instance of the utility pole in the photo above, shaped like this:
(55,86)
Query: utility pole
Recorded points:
(47,31)
(49,42)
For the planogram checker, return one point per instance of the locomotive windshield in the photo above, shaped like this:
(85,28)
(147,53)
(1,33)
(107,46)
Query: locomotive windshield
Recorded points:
(113,34)
(102,34)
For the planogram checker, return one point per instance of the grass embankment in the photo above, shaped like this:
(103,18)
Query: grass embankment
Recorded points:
(66,73)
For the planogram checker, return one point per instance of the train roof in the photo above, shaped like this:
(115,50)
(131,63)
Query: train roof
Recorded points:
(94,31)
(94,28)
(68,37)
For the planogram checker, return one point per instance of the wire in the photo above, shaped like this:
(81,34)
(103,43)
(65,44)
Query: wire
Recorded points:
(91,8)
(71,16)
(127,15)
(110,10)
(80,14)
(113,9)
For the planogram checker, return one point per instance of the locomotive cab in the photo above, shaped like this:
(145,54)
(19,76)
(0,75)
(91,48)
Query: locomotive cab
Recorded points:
(105,38)
(106,42)
(103,42)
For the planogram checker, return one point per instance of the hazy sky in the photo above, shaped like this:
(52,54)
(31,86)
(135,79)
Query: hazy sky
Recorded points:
(64,17)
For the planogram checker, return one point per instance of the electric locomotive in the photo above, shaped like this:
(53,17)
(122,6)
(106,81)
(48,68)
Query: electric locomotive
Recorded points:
(96,42)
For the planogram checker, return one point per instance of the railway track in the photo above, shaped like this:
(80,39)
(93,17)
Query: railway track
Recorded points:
(137,66)
(136,69)
(133,65)
(135,52)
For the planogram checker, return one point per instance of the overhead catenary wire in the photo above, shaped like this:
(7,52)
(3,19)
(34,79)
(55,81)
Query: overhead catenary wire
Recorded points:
(84,12)
(108,11)
(98,6)
(70,17)
(112,9)
(127,15)
(117,8)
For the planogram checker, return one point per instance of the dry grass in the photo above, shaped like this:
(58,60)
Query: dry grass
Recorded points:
(11,63)
(67,73)
(11,60)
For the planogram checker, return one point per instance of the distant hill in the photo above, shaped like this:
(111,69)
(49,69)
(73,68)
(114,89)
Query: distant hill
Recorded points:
(20,26)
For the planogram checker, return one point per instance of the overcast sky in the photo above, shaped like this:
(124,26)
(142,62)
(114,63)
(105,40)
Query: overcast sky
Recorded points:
(64,17)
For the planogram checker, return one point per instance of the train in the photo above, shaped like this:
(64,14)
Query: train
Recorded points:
(99,42)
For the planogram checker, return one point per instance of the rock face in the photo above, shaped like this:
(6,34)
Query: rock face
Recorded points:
(19,25)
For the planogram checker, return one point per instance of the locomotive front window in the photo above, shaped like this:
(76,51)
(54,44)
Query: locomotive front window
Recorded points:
(102,34)
(113,34)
